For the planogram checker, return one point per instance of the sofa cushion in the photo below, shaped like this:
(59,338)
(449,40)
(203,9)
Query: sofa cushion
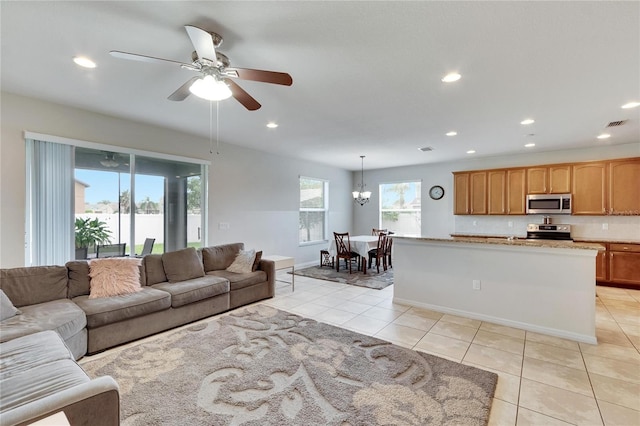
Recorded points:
(34,367)
(35,284)
(243,263)
(114,276)
(194,290)
(238,281)
(217,258)
(181,265)
(108,310)
(7,310)
(62,316)
(154,269)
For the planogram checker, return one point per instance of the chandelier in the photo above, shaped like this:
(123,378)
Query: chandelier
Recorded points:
(361,197)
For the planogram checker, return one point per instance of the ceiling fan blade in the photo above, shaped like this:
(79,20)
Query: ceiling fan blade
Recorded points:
(263,76)
(142,58)
(202,42)
(241,96)
(183,91)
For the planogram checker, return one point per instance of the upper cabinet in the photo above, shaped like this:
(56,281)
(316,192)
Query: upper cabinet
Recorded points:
(555,179)
(598,188)
(470,193)
(496,191)
(478,192)
(589,188)
(516,191)
(461,193)
(624,187)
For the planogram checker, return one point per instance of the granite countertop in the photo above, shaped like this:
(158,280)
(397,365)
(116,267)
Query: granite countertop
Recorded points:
(577,239)
(521,242)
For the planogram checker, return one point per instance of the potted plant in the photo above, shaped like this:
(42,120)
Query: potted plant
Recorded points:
(90,232)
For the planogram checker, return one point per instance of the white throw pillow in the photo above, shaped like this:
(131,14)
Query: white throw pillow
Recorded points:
(243,263)
(7,310)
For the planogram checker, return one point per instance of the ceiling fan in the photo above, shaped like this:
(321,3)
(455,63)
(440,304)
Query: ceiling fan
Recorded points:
(215,79)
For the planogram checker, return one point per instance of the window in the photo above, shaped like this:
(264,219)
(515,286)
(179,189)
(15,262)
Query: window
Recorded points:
(313,210)
(400,207)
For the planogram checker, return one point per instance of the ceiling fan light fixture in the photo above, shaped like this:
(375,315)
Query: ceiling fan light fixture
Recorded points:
(210,89)
(84,62)
(109,161)
(451,77)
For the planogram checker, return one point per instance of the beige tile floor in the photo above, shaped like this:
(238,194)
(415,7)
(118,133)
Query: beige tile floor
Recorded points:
(542,380)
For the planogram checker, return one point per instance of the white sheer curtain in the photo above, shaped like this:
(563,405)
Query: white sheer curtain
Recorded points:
(50,203)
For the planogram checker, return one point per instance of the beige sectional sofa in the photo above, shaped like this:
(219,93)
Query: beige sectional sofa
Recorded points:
(176,288)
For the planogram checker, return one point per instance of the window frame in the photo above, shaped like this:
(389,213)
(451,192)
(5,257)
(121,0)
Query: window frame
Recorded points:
(325,209)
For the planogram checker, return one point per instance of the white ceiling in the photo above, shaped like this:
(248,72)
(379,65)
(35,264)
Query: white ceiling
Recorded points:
(366,75)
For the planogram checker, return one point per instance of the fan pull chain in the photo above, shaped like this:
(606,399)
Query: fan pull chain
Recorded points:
(218,127)
(210,127)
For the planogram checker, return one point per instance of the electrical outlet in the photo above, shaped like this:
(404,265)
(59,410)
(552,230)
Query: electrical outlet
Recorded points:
(605,226)
(475,223)
(510,224)
(223,226)
(476,284)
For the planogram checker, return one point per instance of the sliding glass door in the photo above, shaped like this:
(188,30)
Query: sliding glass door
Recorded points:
(136,198)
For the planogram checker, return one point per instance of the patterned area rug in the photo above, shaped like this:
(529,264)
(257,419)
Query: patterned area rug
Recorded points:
(262,366)
(372,279)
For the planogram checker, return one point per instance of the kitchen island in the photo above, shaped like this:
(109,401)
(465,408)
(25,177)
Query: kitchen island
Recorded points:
(542,286)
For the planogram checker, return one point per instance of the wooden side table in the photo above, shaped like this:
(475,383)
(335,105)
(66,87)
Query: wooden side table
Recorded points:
(284,262)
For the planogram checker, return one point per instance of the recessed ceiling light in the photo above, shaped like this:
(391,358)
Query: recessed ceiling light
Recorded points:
(527,121)
(631,105)
(530,145)
(84,62)
(471,151)
(604,136)
(272,125)
(452,133)
(451,77)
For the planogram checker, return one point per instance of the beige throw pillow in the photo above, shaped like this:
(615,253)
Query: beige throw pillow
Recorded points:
(243,264)
(7,310)
(114,276)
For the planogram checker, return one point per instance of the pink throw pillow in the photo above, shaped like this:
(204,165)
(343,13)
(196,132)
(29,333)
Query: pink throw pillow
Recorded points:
(114,276)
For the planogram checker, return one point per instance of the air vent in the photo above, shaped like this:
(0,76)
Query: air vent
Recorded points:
(425,149)
(616,123)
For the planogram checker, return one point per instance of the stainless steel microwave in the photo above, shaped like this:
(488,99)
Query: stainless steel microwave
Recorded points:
(549,204)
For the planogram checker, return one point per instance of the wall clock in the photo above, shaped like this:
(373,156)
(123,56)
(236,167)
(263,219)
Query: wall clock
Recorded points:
(436,192)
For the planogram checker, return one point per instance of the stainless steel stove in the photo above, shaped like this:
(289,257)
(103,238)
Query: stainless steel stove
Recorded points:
(557,232)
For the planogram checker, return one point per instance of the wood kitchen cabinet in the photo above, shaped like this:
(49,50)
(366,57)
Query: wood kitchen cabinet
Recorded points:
(496,191)
(601,265)
(516,191)
(624,187)
(624,263)
(461,193)
(478,192)
(554,179)
(589,189)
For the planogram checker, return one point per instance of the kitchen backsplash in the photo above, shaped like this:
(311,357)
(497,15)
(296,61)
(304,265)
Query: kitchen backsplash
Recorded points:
(625,228)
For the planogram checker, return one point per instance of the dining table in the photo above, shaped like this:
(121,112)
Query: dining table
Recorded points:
(360,244)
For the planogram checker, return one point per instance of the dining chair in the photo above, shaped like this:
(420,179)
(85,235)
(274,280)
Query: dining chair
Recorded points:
(379,252)
(375,232)
(343,249)
(387,250)
(110,250)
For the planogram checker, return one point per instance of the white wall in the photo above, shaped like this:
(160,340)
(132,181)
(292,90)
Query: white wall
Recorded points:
(254,192)
(438,220)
